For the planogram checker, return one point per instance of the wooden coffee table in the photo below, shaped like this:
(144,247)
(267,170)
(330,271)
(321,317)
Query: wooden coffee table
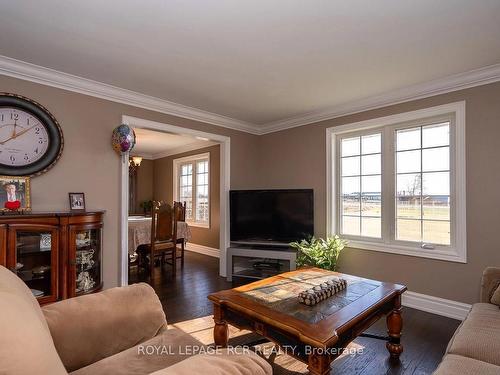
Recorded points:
(317,334)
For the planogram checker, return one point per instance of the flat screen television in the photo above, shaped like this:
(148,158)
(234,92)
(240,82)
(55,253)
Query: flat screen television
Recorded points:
(271,216)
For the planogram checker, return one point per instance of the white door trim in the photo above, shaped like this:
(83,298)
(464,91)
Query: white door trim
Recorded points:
(225,178)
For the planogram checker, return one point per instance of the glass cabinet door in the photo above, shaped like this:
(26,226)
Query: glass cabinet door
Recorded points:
(35,260)
(88,265)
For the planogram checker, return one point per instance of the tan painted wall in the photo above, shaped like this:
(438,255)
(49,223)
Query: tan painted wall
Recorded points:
(297,158)
(163,190)
(89,164)
(145,181)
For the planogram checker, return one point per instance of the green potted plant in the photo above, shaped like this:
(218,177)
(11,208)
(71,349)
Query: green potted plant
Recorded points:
(147,206)
(319,252)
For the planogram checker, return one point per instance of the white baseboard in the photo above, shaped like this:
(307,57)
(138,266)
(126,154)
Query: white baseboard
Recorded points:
(436,305)
(210,251)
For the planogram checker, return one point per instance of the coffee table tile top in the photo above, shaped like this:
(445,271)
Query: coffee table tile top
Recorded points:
(281,294)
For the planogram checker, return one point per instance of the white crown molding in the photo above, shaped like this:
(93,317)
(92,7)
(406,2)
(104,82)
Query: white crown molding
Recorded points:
(174,151)
(476,77)
(189,147)
(50,77)
(436,305)
(142,155)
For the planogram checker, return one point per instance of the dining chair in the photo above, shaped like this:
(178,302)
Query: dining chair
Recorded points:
(180,216)
(163,237)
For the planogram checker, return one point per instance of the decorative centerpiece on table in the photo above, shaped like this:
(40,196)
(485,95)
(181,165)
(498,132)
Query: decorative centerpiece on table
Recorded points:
(323,291)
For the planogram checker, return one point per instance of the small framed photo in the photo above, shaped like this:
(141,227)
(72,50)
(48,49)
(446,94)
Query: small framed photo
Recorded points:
(77,201)
(15,193)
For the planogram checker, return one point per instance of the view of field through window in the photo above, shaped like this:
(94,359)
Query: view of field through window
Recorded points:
(422,184)
(361,166)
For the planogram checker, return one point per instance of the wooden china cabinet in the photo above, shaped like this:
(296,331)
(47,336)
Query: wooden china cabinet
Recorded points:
(57,254)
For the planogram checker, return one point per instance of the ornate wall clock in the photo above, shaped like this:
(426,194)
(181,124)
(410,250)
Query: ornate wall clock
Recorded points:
(31,140)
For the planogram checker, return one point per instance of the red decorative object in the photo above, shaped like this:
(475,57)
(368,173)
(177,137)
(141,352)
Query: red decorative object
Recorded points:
(13,206)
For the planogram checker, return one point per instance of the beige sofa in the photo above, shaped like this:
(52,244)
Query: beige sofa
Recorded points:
(112,332)
(475,346)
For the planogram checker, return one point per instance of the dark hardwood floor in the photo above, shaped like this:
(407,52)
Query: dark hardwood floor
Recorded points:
(425,335)
(185,296)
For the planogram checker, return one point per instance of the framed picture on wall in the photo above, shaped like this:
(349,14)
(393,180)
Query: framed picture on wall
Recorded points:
(77,201)
(15,193)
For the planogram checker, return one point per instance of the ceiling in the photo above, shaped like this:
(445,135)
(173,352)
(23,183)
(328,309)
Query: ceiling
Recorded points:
(153,144)
(255,61)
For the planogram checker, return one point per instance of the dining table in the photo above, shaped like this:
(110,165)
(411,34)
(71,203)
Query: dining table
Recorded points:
(139,232)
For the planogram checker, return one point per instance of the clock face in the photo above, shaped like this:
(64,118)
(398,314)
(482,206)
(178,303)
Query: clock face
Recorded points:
(31,140)
(24,140)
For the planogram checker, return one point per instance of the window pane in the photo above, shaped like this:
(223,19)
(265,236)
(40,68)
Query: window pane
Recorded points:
(371,164)
(436,183)
(408,207)
(350,146)
(371,227)
(350,225)
(202,166)
(350,185)
(408,230)
(436,135)
(350,205)
(370,144)
(436,207)
(350,166)
(371,185)
(436,159)
(202,210)
(408,161)
(408,184)
(437,232)
(371,208)
(408,139)
(189,208)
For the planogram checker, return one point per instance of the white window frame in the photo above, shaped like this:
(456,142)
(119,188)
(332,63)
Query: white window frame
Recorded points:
(457,251)
(176,170)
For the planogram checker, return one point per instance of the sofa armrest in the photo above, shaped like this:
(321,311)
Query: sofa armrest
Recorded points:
(224,361)
(92,327)
(489,281)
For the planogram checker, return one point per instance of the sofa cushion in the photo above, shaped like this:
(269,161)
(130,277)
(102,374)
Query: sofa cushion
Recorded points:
(27,346)
(495,298)
(223,362)
(455,364)
(478,335)
(10,283)
(89,328)
(170,346)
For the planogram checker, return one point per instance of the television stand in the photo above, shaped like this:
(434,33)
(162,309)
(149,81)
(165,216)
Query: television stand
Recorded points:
(258,262)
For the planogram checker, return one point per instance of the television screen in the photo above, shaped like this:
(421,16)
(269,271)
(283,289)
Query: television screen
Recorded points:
(280,216)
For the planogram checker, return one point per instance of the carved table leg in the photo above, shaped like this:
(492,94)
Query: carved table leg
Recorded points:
(318,364)
(394,327)
(220,328)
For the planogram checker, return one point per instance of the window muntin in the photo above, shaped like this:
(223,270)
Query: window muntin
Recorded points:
(192,187)
(422,156)
(202,209)
(186,188)
(360,186)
